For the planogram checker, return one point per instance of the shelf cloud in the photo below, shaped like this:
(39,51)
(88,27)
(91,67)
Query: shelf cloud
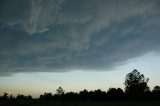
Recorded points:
(66,35)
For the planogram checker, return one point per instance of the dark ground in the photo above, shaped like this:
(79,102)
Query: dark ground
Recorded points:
(107,103)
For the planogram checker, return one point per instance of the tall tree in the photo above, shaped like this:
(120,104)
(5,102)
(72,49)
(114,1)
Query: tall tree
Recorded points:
(135,83)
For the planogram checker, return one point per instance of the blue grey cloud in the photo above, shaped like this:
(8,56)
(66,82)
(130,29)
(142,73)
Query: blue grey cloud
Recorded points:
(66,35)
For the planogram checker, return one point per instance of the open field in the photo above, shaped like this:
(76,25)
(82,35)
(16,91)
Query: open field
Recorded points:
(107,103)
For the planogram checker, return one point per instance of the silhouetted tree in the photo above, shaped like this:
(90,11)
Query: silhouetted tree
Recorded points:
(114,93)
(21,97)
(5,95)
(10,97)
(135,83)
(29,97)
(156,88)
(70,96)
(41,97)
(156,92)
(60,91)
(98,94)
(47,96)
(84,95)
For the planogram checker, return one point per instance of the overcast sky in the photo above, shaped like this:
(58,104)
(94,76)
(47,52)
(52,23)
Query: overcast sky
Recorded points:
(68,36)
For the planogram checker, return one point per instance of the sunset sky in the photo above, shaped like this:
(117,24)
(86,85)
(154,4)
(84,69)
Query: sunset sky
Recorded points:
(77,44)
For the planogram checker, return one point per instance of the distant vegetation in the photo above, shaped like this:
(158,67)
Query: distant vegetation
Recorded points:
(136,88)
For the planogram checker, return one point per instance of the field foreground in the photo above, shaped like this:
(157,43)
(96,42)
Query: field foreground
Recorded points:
(107,103)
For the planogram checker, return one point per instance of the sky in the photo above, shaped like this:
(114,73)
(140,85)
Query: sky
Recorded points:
(77,44)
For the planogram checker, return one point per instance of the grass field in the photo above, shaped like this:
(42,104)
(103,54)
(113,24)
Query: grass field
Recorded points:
(108,103)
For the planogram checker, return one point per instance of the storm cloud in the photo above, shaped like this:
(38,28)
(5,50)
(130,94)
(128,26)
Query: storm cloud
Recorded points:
(66,35)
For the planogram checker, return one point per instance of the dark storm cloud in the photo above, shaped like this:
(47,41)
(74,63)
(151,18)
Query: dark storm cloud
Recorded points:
(66,35)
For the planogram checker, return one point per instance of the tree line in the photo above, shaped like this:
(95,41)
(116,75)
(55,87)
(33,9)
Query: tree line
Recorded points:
(136,88)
